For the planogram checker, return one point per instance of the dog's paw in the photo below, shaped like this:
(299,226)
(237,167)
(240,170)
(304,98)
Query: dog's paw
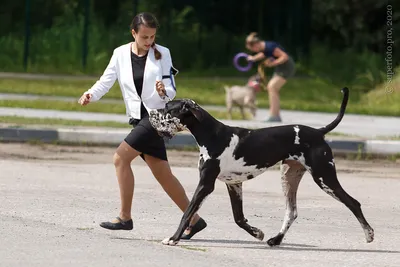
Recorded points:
(275,241)
(169,242)
(260,235)
(369,235)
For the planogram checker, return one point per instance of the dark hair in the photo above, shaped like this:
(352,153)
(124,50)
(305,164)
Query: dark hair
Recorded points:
(148,20)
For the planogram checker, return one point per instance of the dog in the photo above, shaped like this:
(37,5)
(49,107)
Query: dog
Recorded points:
(243,96)
(234,155)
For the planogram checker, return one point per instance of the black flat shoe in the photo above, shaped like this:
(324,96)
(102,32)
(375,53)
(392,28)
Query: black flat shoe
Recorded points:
(194,229)
(120,225)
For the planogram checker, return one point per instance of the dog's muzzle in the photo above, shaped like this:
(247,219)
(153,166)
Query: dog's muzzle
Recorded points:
(166,125)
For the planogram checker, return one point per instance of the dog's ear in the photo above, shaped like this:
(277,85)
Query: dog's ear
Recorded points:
(197,113)
(194,109)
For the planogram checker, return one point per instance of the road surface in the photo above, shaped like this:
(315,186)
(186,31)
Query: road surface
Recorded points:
(53,198)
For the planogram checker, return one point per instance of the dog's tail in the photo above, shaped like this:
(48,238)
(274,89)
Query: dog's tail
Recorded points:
(339,117)
(227,88)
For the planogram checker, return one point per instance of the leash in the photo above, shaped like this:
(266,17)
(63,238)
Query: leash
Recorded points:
(167,97)
(172,72)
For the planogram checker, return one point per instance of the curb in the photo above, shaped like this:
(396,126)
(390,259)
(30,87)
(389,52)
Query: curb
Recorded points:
(102,136)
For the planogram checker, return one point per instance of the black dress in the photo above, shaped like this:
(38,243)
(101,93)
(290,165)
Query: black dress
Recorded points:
(143,137)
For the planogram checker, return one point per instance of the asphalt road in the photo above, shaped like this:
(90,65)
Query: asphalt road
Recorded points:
(53,198)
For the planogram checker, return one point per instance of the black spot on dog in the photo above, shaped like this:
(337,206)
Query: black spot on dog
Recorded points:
(237,173)
(250,176)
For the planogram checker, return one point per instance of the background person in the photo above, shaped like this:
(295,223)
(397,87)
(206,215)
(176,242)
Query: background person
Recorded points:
(272,55)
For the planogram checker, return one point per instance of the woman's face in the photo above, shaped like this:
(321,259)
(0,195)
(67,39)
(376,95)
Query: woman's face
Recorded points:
(144,37)
(254,47)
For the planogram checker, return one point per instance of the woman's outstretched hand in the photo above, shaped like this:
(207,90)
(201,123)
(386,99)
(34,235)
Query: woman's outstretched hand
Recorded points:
(85,99)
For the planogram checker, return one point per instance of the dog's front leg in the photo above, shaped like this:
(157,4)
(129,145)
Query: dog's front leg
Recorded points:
(208,174)
(229,103)
(236,196)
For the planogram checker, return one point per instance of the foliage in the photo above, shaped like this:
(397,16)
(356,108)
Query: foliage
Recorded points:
(331,40)
(305,94)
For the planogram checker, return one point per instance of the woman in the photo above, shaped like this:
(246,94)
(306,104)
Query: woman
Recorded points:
(274,56)
(145,75)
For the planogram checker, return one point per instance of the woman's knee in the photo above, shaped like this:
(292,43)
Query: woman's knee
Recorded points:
(124,154)
(120,160)
(117,160)
(272,89)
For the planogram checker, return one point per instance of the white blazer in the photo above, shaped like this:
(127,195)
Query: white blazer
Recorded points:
(120,67)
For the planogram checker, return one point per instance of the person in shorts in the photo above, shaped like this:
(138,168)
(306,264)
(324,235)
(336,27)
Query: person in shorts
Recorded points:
(274,56)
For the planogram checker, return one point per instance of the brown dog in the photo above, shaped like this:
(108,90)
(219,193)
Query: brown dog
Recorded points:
(244,96)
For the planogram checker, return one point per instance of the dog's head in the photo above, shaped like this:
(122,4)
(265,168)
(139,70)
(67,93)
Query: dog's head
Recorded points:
(177,116)
(255,82)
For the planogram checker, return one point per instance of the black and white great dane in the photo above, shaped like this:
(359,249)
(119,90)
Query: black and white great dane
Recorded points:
(235,155)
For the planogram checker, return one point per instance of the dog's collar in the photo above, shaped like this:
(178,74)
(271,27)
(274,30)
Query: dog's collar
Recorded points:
(254,84)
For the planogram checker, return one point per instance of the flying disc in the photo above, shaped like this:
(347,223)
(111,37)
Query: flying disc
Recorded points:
(236,62)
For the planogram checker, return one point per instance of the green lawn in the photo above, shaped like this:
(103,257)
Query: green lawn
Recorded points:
(17,121)
(92,107)
(304,94)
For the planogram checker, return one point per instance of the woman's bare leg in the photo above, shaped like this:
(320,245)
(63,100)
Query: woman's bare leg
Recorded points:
(274,85)
(171,185)
(122,162)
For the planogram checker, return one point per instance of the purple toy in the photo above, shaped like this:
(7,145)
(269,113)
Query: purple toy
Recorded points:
(236,62)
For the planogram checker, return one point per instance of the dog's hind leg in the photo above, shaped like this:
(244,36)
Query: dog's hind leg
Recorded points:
(291,174)
(236,196)
(242,112)
(324,174)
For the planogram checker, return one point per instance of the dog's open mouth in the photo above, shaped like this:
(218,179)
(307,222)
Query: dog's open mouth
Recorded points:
(166,125)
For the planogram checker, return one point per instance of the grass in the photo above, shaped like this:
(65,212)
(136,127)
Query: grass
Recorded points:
(203,90)
(93,107)
(17,121)
(306,94)
(66,106)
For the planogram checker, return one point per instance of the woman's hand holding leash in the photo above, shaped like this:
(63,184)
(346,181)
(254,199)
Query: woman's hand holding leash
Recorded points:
(161,90)
(269,62)
(85,99)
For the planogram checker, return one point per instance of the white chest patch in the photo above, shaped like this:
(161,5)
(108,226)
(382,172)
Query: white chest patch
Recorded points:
(203,155)
(234,170)
(297,137)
